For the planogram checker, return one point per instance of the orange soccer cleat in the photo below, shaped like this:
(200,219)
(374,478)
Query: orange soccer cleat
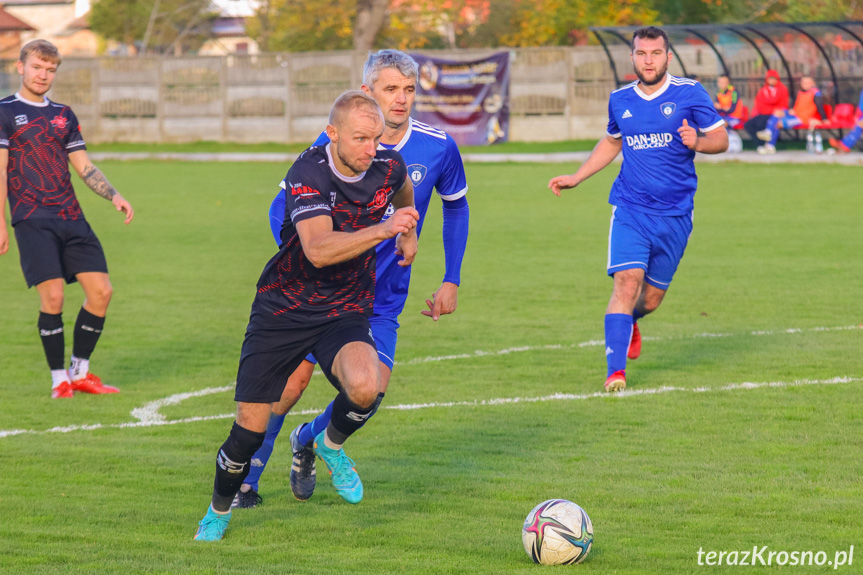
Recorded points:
(92,384)
(616,381)
(634,343)
(839,146)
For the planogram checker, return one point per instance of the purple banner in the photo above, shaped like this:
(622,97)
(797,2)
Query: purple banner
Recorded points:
(468,99)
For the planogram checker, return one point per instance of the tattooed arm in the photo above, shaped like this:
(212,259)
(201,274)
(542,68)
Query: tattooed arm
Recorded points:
(97,182)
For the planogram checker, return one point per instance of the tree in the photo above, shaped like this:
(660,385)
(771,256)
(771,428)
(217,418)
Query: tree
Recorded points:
(370,18)
(304,25)
(167,25)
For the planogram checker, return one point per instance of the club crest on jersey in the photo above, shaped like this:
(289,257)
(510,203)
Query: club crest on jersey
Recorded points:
(21,120)
(417,172)
(668,109)
(59,122)
(381,198)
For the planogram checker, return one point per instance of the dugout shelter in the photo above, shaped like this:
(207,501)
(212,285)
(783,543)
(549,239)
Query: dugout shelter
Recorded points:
(830,52)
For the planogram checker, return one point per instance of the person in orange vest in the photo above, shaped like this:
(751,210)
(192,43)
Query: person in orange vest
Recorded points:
(808,111)
(726,103)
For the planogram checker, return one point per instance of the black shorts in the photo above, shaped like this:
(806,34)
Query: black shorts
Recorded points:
(52,249)
(274,348)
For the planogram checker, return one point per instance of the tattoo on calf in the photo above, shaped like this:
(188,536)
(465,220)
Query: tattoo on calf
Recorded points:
(97,182)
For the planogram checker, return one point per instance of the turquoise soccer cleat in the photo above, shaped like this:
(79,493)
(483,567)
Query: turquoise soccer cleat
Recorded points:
(345,478)
(212,527)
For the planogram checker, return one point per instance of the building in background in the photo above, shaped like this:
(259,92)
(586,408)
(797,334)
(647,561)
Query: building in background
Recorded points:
(11,30)
(229,36)
(61,22)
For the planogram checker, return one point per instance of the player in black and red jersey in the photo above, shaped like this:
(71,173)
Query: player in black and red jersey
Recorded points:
(316,295)
(38,141)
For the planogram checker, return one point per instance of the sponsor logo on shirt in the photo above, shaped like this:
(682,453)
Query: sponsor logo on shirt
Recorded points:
(626,114)
(648,141)
(21,120)
(304,191)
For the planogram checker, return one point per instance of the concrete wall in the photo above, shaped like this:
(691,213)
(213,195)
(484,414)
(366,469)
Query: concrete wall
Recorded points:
(556,94)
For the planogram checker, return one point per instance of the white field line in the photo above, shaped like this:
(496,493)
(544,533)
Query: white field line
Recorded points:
(148,415)
(473,403)
(599,342)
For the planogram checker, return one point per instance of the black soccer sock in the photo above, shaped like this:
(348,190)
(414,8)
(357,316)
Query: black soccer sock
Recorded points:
(375,407)
(232,465)
(88,328)
(51,332)
(347,418)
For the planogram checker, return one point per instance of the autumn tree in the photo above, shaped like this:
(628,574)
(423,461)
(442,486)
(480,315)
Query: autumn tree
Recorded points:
(304,25)
(154,25)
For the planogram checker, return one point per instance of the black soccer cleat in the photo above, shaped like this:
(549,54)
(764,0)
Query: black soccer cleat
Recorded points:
(246,499)
(303,474)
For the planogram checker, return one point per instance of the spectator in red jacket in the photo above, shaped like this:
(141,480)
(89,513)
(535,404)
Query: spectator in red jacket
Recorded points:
(772,96)
(808,111)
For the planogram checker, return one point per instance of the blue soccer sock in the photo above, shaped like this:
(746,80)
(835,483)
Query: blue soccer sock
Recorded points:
(852,137)
(618,332)
(311,430)
(262,455)
(772,125)
(637,314)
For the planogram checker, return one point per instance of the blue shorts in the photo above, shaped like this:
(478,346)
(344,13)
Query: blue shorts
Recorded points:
(790,120)
(653,243)
(385,334)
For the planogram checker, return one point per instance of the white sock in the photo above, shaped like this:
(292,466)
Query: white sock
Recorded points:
(330,443)
(79,368)
(228,512)
(58,376)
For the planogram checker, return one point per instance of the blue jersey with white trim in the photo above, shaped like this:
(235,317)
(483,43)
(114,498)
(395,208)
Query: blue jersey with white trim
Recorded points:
(434,163)
(658,171)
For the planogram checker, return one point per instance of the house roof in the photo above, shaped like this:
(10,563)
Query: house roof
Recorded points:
(230,26)
(35,2)
(9,23)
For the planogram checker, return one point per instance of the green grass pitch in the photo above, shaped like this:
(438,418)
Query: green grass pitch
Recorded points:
(768,292)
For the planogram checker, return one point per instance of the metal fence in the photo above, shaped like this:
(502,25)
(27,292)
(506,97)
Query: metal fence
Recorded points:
(556,93)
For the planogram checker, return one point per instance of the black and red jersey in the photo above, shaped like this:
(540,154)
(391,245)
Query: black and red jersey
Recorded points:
(39,138)
(290,285)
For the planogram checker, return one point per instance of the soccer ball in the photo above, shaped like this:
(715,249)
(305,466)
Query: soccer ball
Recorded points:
(557,532)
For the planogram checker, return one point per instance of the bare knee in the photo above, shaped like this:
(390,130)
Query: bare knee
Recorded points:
(363,389)
(651,298)
(627,289)
(651,304)
(52,302)
(51,296)
(99,298)
(356,367)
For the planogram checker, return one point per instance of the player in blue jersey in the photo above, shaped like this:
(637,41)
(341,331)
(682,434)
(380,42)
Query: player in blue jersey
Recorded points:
(38,140)
(659,122)
(434,163)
